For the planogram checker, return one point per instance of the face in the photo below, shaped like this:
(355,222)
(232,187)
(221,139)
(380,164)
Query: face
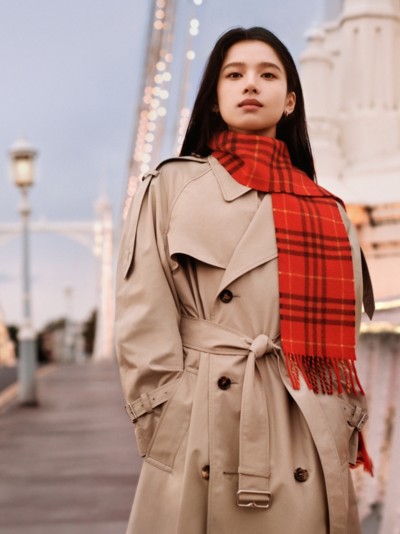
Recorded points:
(252,89)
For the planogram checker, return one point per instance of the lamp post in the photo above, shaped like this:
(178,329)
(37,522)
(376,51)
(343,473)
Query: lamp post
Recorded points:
(22,166)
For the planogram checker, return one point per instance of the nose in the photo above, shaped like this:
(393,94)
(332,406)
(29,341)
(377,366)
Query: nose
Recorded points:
(251,85)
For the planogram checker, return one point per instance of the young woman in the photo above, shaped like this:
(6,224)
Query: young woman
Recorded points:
(239,293)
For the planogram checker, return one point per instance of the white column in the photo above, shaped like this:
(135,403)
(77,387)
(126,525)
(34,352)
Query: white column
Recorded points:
(391,509)
(103,346)
(371,122)
(317,75)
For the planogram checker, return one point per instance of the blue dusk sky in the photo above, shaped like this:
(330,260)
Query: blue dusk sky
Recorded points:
(70,79)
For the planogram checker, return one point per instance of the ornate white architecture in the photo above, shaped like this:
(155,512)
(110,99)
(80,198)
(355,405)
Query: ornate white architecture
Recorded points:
(351,78)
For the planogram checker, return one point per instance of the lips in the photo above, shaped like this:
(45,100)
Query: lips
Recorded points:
(250,102)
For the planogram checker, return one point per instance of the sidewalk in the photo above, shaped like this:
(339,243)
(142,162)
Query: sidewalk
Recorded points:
(69,466)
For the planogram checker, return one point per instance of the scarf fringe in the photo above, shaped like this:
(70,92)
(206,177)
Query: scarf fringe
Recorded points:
(324,375)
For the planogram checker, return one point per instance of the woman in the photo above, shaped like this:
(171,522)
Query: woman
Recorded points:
(238,299)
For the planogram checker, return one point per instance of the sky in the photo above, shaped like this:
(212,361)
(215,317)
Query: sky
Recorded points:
(71,75)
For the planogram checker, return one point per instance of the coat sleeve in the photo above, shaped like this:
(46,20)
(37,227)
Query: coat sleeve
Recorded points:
(148,340)
(358,414)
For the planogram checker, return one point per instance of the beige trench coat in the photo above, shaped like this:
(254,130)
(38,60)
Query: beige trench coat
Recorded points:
(229,446)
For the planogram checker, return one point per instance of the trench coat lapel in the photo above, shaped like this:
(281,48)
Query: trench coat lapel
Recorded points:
(258,243)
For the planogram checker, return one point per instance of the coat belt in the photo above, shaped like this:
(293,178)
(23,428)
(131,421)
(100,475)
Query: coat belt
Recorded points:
(254,435)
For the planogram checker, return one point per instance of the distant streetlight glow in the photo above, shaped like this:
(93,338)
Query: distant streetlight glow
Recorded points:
(22,163)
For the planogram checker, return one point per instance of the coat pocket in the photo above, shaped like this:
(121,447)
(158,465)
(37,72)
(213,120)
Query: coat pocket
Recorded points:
(340,411)
(355,417)
(145,429)
(173,424)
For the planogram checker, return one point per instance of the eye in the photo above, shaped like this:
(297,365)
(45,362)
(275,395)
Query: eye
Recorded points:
(233,75)
(268,75)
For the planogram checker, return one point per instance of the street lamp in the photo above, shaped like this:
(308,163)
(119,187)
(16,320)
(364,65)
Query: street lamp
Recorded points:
(22,167)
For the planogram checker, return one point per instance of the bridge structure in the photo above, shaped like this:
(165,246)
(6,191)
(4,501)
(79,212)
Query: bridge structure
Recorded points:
(163,108)
(97,236)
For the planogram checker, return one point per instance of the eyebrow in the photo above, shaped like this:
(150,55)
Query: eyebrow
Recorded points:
(243,64)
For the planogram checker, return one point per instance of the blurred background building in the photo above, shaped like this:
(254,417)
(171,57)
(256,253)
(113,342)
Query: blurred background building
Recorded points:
(7,347)
(351,78)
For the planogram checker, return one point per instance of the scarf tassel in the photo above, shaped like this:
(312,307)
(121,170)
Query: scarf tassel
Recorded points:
(324,375)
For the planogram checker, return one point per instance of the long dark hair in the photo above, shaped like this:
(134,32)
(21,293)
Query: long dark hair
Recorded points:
(204,122)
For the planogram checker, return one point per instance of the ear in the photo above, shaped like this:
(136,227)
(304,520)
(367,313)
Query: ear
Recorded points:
(290,103)
(215,108)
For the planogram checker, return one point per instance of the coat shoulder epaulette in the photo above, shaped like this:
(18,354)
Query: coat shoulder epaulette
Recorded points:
(196,159)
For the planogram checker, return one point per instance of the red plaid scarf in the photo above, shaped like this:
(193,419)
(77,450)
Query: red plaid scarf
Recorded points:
(316,279)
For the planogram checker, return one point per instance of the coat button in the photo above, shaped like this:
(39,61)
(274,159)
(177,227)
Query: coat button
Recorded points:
(300,474)
(226,296)
(224,382)
(205,472)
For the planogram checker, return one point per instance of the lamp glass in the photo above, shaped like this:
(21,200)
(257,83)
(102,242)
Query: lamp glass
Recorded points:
(22,166)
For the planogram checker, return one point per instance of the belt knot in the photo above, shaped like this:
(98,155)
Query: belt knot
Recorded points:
(261,345)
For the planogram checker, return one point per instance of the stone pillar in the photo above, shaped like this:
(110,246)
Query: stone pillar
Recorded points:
(370,89)
(391,506)
(104,345)
(317,74)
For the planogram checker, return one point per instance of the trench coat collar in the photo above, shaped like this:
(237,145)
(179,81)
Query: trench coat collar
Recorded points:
(230,188)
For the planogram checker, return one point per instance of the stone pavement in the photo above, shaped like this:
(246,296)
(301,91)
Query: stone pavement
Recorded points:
(69,466)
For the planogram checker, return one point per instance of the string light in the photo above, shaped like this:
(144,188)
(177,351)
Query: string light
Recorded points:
(157,93)
(152,115)
(194,27)
(193,30)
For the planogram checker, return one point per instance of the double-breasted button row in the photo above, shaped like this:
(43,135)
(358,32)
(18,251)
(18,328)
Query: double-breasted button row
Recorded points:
(300,474)
(224,382)
(226,296)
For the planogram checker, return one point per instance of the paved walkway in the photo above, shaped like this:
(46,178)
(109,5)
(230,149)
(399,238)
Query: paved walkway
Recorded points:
(69,466)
